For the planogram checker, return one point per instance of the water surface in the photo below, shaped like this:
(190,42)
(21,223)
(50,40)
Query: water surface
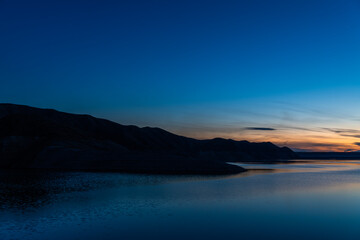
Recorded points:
(304,199)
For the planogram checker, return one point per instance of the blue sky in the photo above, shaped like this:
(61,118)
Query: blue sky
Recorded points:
(197,68)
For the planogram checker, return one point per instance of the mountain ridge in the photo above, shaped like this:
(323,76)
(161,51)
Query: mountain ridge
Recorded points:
(46,138)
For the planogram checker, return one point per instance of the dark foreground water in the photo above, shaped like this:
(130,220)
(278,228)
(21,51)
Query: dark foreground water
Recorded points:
(304,200)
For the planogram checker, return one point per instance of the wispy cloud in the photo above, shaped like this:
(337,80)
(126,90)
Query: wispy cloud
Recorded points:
(351,135)
(342,130)
(355,133)
(316,144)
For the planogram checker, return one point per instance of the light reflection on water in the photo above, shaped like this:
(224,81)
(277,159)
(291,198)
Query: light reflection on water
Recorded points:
(304,199)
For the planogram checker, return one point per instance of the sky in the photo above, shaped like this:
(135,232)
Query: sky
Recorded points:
(281,71)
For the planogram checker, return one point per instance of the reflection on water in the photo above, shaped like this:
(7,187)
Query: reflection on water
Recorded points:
(303,199)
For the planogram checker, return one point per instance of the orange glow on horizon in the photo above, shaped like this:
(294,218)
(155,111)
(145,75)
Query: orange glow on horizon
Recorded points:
(298,140)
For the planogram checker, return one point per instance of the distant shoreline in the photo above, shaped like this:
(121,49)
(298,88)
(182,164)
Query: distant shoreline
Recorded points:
(329,155)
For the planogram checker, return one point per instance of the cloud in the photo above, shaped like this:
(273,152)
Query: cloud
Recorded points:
(342,130)
(260,128)
(345,132)
(350,135)
(357,143)
(314,146)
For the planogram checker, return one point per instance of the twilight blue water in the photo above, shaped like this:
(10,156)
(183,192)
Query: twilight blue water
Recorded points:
(302,200)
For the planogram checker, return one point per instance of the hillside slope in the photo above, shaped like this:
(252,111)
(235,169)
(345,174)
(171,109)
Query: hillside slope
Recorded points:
(45,138)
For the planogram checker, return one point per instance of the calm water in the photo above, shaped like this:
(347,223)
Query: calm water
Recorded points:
(313,200)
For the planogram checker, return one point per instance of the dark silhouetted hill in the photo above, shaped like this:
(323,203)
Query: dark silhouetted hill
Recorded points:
(45,138)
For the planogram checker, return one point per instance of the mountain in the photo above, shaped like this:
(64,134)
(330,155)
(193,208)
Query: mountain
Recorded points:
(48,139)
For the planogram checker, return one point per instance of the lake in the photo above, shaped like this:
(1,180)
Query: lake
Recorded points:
(302,200)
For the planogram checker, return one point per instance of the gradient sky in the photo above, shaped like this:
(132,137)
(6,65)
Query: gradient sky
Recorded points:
(280,71)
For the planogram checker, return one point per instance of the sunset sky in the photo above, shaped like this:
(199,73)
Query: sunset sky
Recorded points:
(281,71)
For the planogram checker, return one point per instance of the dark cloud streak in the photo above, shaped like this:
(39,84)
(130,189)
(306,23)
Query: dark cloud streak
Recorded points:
(345,132)
(260,128)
